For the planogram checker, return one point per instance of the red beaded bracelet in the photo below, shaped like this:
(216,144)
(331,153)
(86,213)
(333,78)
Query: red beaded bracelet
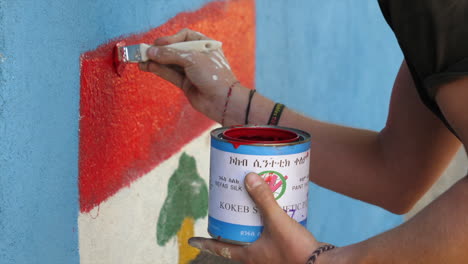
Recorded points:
(227,100)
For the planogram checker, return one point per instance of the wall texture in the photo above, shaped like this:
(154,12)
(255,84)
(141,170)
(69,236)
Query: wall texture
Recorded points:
(40,47)
(144,151)
(334,60)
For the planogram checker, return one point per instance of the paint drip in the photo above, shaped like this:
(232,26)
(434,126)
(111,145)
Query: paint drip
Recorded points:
(279,155)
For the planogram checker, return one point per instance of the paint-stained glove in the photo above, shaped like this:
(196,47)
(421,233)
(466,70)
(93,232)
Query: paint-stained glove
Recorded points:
(205,77)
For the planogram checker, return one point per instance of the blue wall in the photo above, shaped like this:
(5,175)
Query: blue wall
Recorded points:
(40,45)
(334,60)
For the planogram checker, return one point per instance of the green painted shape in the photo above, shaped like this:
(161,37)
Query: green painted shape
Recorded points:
(187,196)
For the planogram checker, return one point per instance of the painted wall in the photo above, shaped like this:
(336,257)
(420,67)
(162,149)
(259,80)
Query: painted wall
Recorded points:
(334,60)
(40,47)
(144,151)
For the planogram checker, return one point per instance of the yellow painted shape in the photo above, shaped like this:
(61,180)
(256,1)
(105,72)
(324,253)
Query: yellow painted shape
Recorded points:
(186,252)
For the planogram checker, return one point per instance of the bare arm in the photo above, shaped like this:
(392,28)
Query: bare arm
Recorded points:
(439,233)
(391,169)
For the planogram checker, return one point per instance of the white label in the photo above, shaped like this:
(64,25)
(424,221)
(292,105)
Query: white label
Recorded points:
(287,176)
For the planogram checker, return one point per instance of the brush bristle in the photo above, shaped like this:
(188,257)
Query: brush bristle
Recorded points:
(119,65)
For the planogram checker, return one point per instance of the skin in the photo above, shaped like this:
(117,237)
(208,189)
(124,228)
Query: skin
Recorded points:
(391,168)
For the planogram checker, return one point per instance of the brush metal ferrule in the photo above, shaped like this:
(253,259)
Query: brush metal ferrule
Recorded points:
(134,53)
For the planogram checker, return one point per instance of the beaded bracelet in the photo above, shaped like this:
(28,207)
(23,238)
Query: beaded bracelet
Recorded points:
(276,114)
(227,100)
(247,111)
(319,251)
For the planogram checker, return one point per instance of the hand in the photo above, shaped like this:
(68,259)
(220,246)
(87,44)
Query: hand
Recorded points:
(203,76)
(283,239)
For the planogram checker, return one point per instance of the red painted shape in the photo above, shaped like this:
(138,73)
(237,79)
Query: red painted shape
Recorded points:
(130,124)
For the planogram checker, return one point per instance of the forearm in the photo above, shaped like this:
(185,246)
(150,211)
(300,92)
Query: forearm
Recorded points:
(214,92)
(357,151)
(260,107)
(438,234)
(346,160)
(392,168)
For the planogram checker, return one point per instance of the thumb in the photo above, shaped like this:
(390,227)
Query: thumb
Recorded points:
(261,194)
(217,248)
(165,55)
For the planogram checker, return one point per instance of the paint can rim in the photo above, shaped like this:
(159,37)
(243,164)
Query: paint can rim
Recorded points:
(302,136)
(262,135)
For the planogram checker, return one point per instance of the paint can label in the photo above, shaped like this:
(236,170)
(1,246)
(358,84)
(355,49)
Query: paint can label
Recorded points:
(233,216)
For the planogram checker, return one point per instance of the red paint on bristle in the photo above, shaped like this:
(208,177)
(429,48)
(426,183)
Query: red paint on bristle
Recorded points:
(130,124)
(119,66)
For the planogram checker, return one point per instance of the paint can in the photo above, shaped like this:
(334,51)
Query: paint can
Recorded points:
(280,155)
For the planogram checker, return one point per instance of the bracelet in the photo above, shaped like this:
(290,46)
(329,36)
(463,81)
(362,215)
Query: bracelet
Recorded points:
(227,101)
(247,111)
(276,114)
(319,251)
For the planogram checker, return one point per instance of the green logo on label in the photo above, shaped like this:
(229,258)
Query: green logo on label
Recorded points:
(276,181)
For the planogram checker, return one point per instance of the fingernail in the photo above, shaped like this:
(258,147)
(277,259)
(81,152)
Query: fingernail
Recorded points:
(194,242)
(152,51)
(252,180)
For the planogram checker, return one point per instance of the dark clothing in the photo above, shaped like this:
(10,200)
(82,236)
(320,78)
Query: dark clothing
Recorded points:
(433,35)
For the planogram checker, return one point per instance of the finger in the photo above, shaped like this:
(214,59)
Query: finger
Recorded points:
(147,66)
(164,71)
(163,55)
(215,247)
(261,194)
(183,35)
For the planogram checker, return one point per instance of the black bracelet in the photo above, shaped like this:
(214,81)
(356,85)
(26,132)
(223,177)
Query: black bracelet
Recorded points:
(319,251)
(276,114)
(251,94)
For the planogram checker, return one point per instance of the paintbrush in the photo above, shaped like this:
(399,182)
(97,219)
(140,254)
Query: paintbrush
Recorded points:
(137,53)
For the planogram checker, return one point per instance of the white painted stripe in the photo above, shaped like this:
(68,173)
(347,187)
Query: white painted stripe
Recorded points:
(123,228)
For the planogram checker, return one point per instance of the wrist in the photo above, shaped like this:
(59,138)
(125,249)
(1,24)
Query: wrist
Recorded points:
(228,98)
(219,105)
(320,250)
(234,112)
(260,109)
(259,112)
(343,255)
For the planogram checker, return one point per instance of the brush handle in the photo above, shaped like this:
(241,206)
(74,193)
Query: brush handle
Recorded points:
(143,49)
(137,53)
(196,45)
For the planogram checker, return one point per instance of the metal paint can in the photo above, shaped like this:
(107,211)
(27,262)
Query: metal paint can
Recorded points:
(280,155)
